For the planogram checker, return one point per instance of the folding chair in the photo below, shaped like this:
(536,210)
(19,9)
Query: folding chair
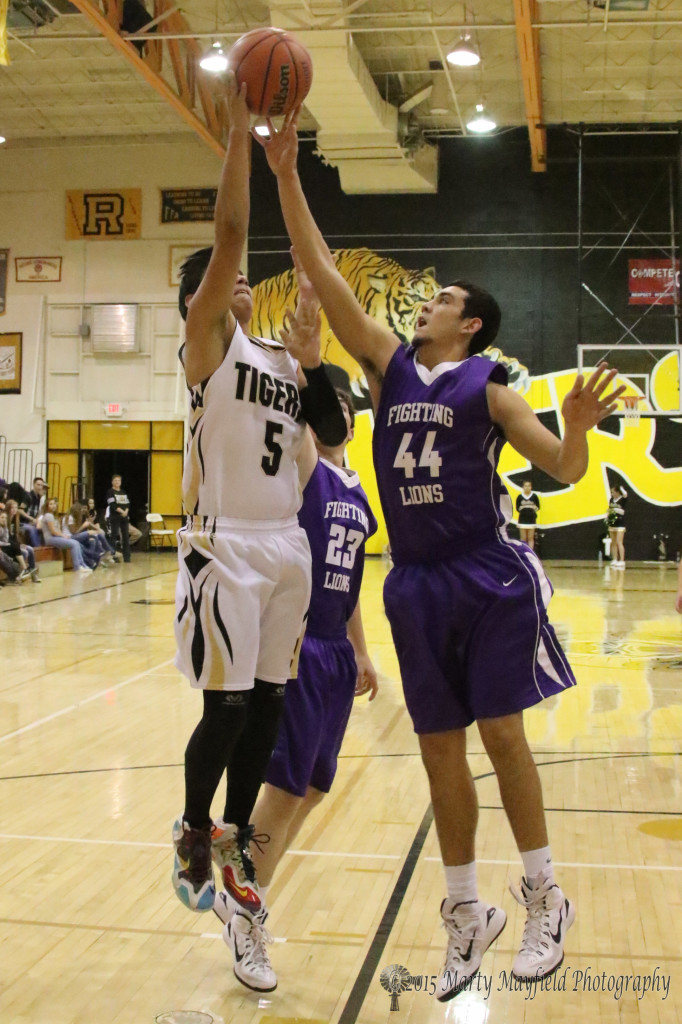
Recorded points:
(158,535)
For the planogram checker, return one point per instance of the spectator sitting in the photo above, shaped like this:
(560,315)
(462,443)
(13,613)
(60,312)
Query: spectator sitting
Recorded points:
(11,570)
(90,536)
(54,537)
(33,511)
(91,519)
(14,523)
(11,549)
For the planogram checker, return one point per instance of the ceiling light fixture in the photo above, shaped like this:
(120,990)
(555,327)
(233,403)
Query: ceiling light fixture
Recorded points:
(214,60)
(481,122)
(262,129)
(464,54)
(2,139)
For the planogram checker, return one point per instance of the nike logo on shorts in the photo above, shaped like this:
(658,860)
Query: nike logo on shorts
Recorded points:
(509,583)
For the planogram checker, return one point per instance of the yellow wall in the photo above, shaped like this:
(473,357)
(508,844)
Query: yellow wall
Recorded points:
(163,439)
(101,435)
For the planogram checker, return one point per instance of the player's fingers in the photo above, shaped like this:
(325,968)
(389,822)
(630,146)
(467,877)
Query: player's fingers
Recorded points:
(592,380)
(604,383)
(603,413)
(577,386)
(614,395)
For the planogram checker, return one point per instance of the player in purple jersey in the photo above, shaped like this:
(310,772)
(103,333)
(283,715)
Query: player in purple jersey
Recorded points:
(467,606)
(334,667)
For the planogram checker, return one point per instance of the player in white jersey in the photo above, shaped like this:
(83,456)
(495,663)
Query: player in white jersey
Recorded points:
(244,562)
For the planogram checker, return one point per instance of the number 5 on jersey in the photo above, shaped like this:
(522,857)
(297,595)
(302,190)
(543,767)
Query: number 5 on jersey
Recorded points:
(270,463)
(430,458)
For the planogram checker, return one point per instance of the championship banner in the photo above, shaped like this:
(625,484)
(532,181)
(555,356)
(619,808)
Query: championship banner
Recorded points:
(103,214)
(4,52)
(653,282)
(4,261)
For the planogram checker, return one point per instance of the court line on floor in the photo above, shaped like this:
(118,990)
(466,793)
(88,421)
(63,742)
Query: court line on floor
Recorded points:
(594,755)
(339,854)
(86,700)
(84,593)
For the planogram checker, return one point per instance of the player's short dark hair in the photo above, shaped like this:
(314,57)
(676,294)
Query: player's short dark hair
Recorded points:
(480,303)
(116,476)
(526,481)
(191,275)
(347,399)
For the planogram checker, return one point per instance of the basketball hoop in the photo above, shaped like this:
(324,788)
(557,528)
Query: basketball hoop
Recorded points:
(631,412)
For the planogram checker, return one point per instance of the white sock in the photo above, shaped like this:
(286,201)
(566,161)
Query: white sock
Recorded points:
(460,881)
(536,862)
(263,890)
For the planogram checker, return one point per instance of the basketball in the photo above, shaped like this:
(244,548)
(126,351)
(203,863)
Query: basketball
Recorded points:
(276,68)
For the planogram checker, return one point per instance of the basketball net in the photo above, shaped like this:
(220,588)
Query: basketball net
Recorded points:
(631,412)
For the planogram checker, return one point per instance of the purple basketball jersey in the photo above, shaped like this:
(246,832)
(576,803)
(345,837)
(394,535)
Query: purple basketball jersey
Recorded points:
(337,518)
(435,453)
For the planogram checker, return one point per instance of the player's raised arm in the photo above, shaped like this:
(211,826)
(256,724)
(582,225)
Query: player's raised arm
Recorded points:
(370,343)
(585,405)
(210,321)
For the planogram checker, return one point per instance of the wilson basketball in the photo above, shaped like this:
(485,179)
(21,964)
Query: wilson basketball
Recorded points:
(276,68)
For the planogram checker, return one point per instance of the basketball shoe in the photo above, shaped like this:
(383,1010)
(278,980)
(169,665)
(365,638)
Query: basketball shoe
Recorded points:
(192,867)
(550,915)
(246,936)
(230,850)
(472,927)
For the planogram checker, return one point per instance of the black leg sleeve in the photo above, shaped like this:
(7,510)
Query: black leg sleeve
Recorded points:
(209,749)
(250,758)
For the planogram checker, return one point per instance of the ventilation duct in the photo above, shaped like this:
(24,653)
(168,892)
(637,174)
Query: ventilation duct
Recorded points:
(359,133)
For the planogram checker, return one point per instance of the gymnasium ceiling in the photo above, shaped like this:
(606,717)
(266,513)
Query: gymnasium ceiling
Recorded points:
(601,62)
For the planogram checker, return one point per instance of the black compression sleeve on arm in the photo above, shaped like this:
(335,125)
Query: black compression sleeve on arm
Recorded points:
(322,409)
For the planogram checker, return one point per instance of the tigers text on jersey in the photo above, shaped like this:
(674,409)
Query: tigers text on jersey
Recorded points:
(337,519)
(435,453)
(245,432)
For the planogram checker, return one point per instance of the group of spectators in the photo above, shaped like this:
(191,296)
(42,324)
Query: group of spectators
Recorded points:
(31,519)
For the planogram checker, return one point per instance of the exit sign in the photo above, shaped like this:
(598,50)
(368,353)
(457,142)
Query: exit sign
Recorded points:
(113,409)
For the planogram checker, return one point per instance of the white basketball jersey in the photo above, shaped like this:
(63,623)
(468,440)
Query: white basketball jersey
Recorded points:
(245,432)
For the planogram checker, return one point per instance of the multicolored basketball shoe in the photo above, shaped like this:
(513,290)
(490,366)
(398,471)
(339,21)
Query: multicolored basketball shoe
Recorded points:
(230,849)
(550,915)
(192,868)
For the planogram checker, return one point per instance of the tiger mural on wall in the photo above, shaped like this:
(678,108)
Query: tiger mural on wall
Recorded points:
(386,291)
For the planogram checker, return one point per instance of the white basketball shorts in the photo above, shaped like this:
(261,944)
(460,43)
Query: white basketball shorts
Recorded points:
(242,593)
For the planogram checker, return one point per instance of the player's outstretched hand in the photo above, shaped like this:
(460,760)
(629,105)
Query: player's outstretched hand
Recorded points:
(301,333)
(367,681)
(237,110)
(281,147)
(585,405)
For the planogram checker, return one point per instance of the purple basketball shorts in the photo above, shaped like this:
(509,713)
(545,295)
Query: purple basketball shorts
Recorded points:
(472,636)
(317,706)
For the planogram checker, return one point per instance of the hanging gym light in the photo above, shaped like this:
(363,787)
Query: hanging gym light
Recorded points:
(481,122)
(464,54)
(214,60)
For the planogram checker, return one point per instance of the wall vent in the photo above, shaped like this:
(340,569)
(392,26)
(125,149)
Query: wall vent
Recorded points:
(114,328)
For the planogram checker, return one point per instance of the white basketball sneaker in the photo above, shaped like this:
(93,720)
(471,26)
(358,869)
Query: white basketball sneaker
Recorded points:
(550,915)
(246,936)
(472,928)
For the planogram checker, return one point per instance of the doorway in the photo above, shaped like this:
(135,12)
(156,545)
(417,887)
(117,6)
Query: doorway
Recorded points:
(97,469)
